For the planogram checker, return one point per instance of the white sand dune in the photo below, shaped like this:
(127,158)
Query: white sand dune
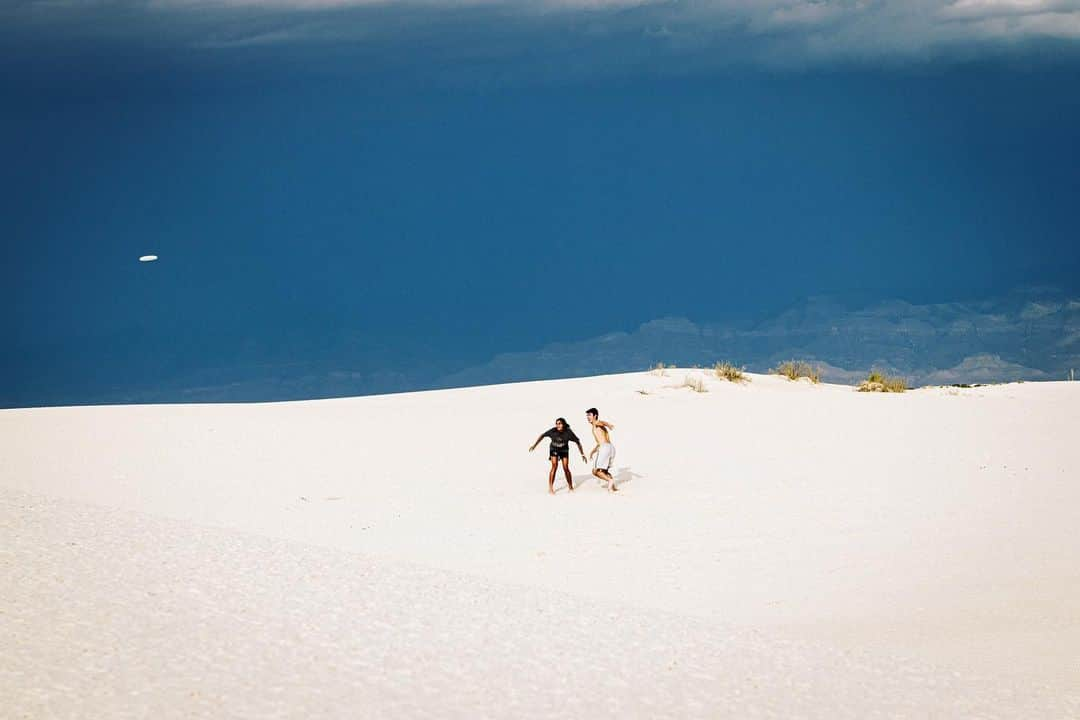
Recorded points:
(778,549)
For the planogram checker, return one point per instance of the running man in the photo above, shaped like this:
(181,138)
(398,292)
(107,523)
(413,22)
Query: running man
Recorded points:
(604,450)
(561,436)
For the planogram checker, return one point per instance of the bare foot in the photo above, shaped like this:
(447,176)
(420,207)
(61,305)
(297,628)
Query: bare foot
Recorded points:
(551,491)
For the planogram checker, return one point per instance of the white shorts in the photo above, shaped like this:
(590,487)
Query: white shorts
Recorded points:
(605,456)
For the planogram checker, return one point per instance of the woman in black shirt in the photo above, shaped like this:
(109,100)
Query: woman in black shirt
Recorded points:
(561,436)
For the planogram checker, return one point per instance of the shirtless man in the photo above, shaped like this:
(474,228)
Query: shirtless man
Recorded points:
(561,436)
(604,450)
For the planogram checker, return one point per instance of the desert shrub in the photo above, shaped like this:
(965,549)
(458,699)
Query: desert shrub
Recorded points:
(795,369)
(878,381)
(658,369)
(695,383)
(729,372)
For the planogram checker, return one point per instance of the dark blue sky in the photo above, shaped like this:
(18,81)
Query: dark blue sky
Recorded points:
(465,183)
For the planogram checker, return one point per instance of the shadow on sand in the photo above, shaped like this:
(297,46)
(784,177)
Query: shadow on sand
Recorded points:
(622,476)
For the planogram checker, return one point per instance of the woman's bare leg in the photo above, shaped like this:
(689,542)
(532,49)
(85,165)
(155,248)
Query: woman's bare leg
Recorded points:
(551,475)
(566,471)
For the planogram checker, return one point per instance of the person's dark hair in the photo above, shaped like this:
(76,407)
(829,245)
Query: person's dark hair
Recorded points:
(593,411)
(563,421)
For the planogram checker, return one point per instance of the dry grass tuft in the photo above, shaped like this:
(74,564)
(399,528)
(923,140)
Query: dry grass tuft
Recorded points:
(695,383)
(880,382)
(795,369)
(659,370)
(729,372)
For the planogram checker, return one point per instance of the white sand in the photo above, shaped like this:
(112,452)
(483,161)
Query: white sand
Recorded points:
(777,549)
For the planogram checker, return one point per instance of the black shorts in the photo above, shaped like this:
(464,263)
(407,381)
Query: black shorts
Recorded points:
(557,452)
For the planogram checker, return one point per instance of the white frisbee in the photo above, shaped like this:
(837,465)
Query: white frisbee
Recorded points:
(148,258)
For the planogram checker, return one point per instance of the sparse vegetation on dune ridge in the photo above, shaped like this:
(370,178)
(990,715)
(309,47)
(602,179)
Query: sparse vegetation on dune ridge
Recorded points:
(729,372)
(878,381)
(795,369)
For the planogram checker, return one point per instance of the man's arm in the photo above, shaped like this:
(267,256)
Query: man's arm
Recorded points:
(605,423)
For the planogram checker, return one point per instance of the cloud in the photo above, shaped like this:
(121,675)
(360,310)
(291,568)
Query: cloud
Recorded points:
(983,7)
(642,33)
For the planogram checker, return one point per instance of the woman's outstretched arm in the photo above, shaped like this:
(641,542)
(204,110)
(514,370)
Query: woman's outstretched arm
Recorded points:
(576,441)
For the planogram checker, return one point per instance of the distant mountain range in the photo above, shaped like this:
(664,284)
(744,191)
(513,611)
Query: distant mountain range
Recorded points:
(1030,334)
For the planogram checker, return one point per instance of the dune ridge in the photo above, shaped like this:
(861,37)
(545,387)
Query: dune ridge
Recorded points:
(802,549)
